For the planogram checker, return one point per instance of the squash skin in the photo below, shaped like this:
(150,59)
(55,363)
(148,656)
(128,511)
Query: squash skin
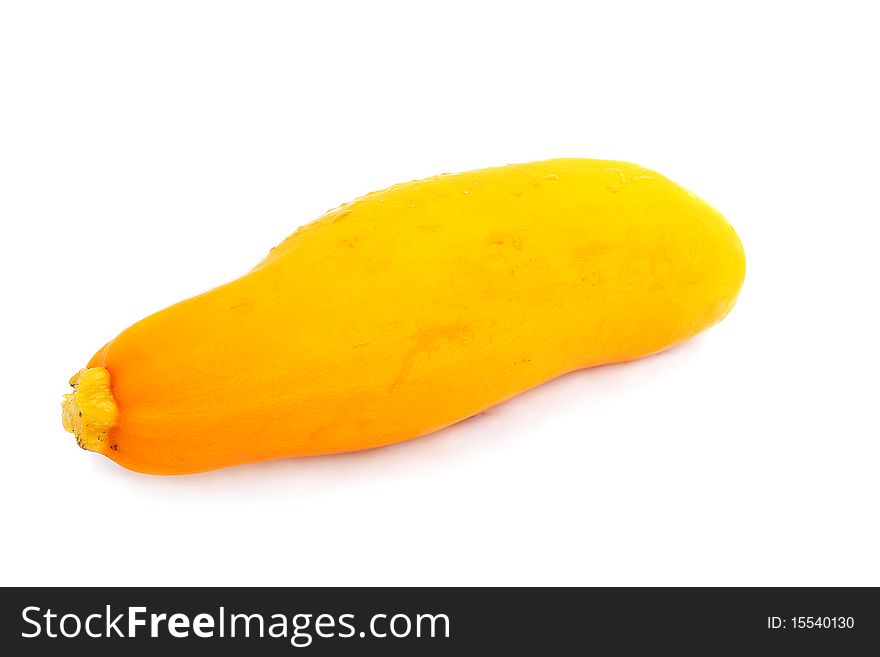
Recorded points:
(415,307)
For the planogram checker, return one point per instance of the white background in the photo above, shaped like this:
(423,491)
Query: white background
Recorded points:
(152,150)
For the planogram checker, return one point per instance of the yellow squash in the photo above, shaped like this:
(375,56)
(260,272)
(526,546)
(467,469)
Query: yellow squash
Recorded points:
(410,309)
